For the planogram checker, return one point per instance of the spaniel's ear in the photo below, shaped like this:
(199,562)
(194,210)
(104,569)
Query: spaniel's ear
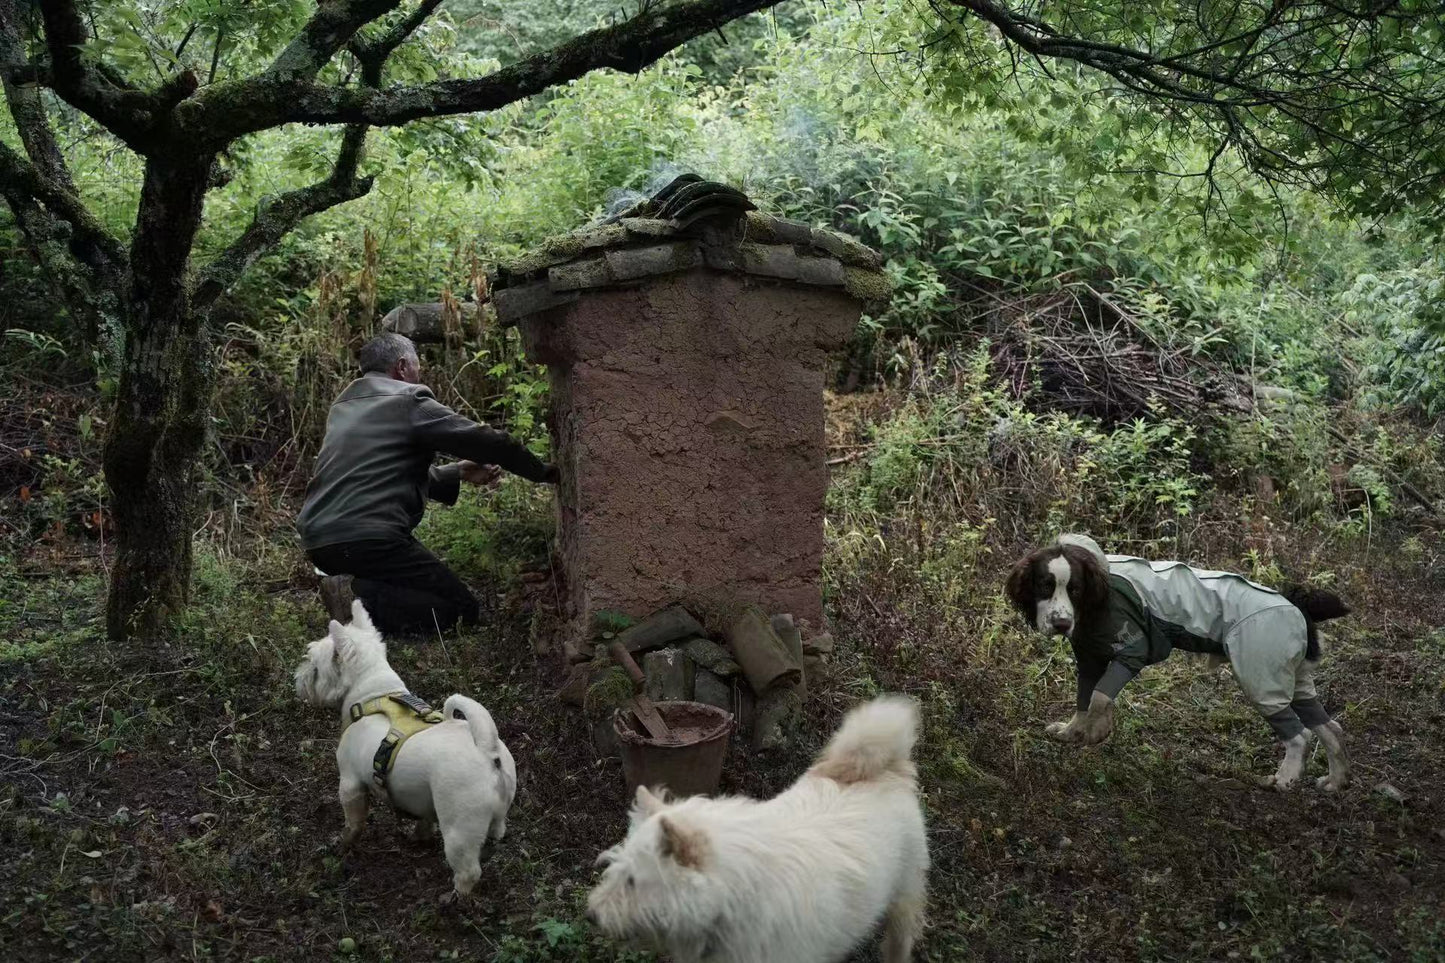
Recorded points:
(1020,585)
(1094,576)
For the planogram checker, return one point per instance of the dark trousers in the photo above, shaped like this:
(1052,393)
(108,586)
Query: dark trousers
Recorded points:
(405,588)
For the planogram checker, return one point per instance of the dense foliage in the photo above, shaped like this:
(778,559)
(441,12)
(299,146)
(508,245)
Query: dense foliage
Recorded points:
(982,195)
(172,798)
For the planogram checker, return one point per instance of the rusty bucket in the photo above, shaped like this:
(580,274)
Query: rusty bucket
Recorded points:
(689,766)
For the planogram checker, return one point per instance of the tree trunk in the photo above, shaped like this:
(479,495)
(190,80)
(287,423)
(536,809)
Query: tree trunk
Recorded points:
(162,407)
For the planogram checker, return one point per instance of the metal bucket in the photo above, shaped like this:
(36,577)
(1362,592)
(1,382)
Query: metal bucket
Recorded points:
(692,766)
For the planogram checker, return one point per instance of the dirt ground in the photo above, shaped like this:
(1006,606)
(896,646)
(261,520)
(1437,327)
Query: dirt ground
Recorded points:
(177,802)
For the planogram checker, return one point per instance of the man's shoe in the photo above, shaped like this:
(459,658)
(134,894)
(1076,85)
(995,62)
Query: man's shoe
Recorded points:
(337,596)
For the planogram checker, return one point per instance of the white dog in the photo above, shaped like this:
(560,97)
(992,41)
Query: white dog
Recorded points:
(454,771)
(801,878)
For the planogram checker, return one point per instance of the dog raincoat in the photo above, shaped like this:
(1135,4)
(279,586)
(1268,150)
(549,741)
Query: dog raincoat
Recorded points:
(1156,607)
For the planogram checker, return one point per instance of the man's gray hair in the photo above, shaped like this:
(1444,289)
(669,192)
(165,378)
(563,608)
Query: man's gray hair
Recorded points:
(382,352)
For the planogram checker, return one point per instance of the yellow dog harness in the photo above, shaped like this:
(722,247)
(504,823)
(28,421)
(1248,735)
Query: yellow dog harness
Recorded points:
(407,715)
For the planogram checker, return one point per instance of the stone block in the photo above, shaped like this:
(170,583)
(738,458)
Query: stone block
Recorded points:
(820,645)
(659,629)
(585,273)
(779,715)
(577,649)
(513,304)
(769,260)
(574,690)
(848,250)
(792,638)
(629,264)
(711,689)
(604,738)
(669,675)
(423,323)
(646,226)
(604,235)
(711,656)
(820,270)
(766,661)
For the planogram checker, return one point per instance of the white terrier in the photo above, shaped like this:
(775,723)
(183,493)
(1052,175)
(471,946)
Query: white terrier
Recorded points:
(456,773)
(801,878)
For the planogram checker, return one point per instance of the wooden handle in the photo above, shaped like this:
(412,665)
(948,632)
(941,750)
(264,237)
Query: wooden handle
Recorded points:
(622,657)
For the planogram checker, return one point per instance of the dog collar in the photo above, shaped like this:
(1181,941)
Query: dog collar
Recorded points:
(407,716)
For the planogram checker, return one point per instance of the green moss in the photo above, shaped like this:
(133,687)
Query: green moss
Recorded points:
(563,245)
(868,286)
(534,262)
(609,690)
(760,228)
(607,621)
(850,251)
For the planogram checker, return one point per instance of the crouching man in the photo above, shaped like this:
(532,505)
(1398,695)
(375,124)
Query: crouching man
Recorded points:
(373,477)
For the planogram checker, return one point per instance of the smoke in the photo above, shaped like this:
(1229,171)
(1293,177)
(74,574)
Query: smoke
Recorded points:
(618,200)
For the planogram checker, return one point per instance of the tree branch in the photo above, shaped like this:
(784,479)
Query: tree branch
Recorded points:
(20,179)
(1312,92)
(227,111)
(374,53)
(127,113)
(25,105)
(327,31)
(280,215)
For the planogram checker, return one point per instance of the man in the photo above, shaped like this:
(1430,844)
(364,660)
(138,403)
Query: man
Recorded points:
(373,477)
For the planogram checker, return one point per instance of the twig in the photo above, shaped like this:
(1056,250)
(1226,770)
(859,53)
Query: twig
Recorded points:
(1405,486)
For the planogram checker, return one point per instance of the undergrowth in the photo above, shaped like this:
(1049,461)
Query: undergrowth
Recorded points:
(175,800)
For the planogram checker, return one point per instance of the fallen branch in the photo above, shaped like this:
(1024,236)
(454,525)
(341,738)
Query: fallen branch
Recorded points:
(1405,486)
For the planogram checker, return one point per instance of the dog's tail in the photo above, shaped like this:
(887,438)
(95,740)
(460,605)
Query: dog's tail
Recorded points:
(1317,605)
(875,741)
(479,720)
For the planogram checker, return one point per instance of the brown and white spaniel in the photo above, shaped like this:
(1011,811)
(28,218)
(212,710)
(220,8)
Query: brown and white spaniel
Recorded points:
(1121,613)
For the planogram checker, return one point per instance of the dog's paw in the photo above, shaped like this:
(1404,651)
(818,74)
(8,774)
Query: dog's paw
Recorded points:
(1061,731)
(1278,783)
(1331,783)
(452,900)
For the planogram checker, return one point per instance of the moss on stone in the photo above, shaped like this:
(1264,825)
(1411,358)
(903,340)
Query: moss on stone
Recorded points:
(609,690)
(760,228)
(870,287)
(527,265)
(604,235)
(563,245)
(850,251)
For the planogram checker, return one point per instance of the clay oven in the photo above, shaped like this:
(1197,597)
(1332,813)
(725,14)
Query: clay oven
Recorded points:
(686,343)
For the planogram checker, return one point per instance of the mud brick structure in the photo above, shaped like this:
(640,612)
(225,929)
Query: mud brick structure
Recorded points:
(687,346)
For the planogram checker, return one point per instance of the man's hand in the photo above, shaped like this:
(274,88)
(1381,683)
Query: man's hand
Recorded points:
(482,475)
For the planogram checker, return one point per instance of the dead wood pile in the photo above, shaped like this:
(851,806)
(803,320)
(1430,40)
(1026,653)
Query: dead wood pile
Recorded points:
(1081,352)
